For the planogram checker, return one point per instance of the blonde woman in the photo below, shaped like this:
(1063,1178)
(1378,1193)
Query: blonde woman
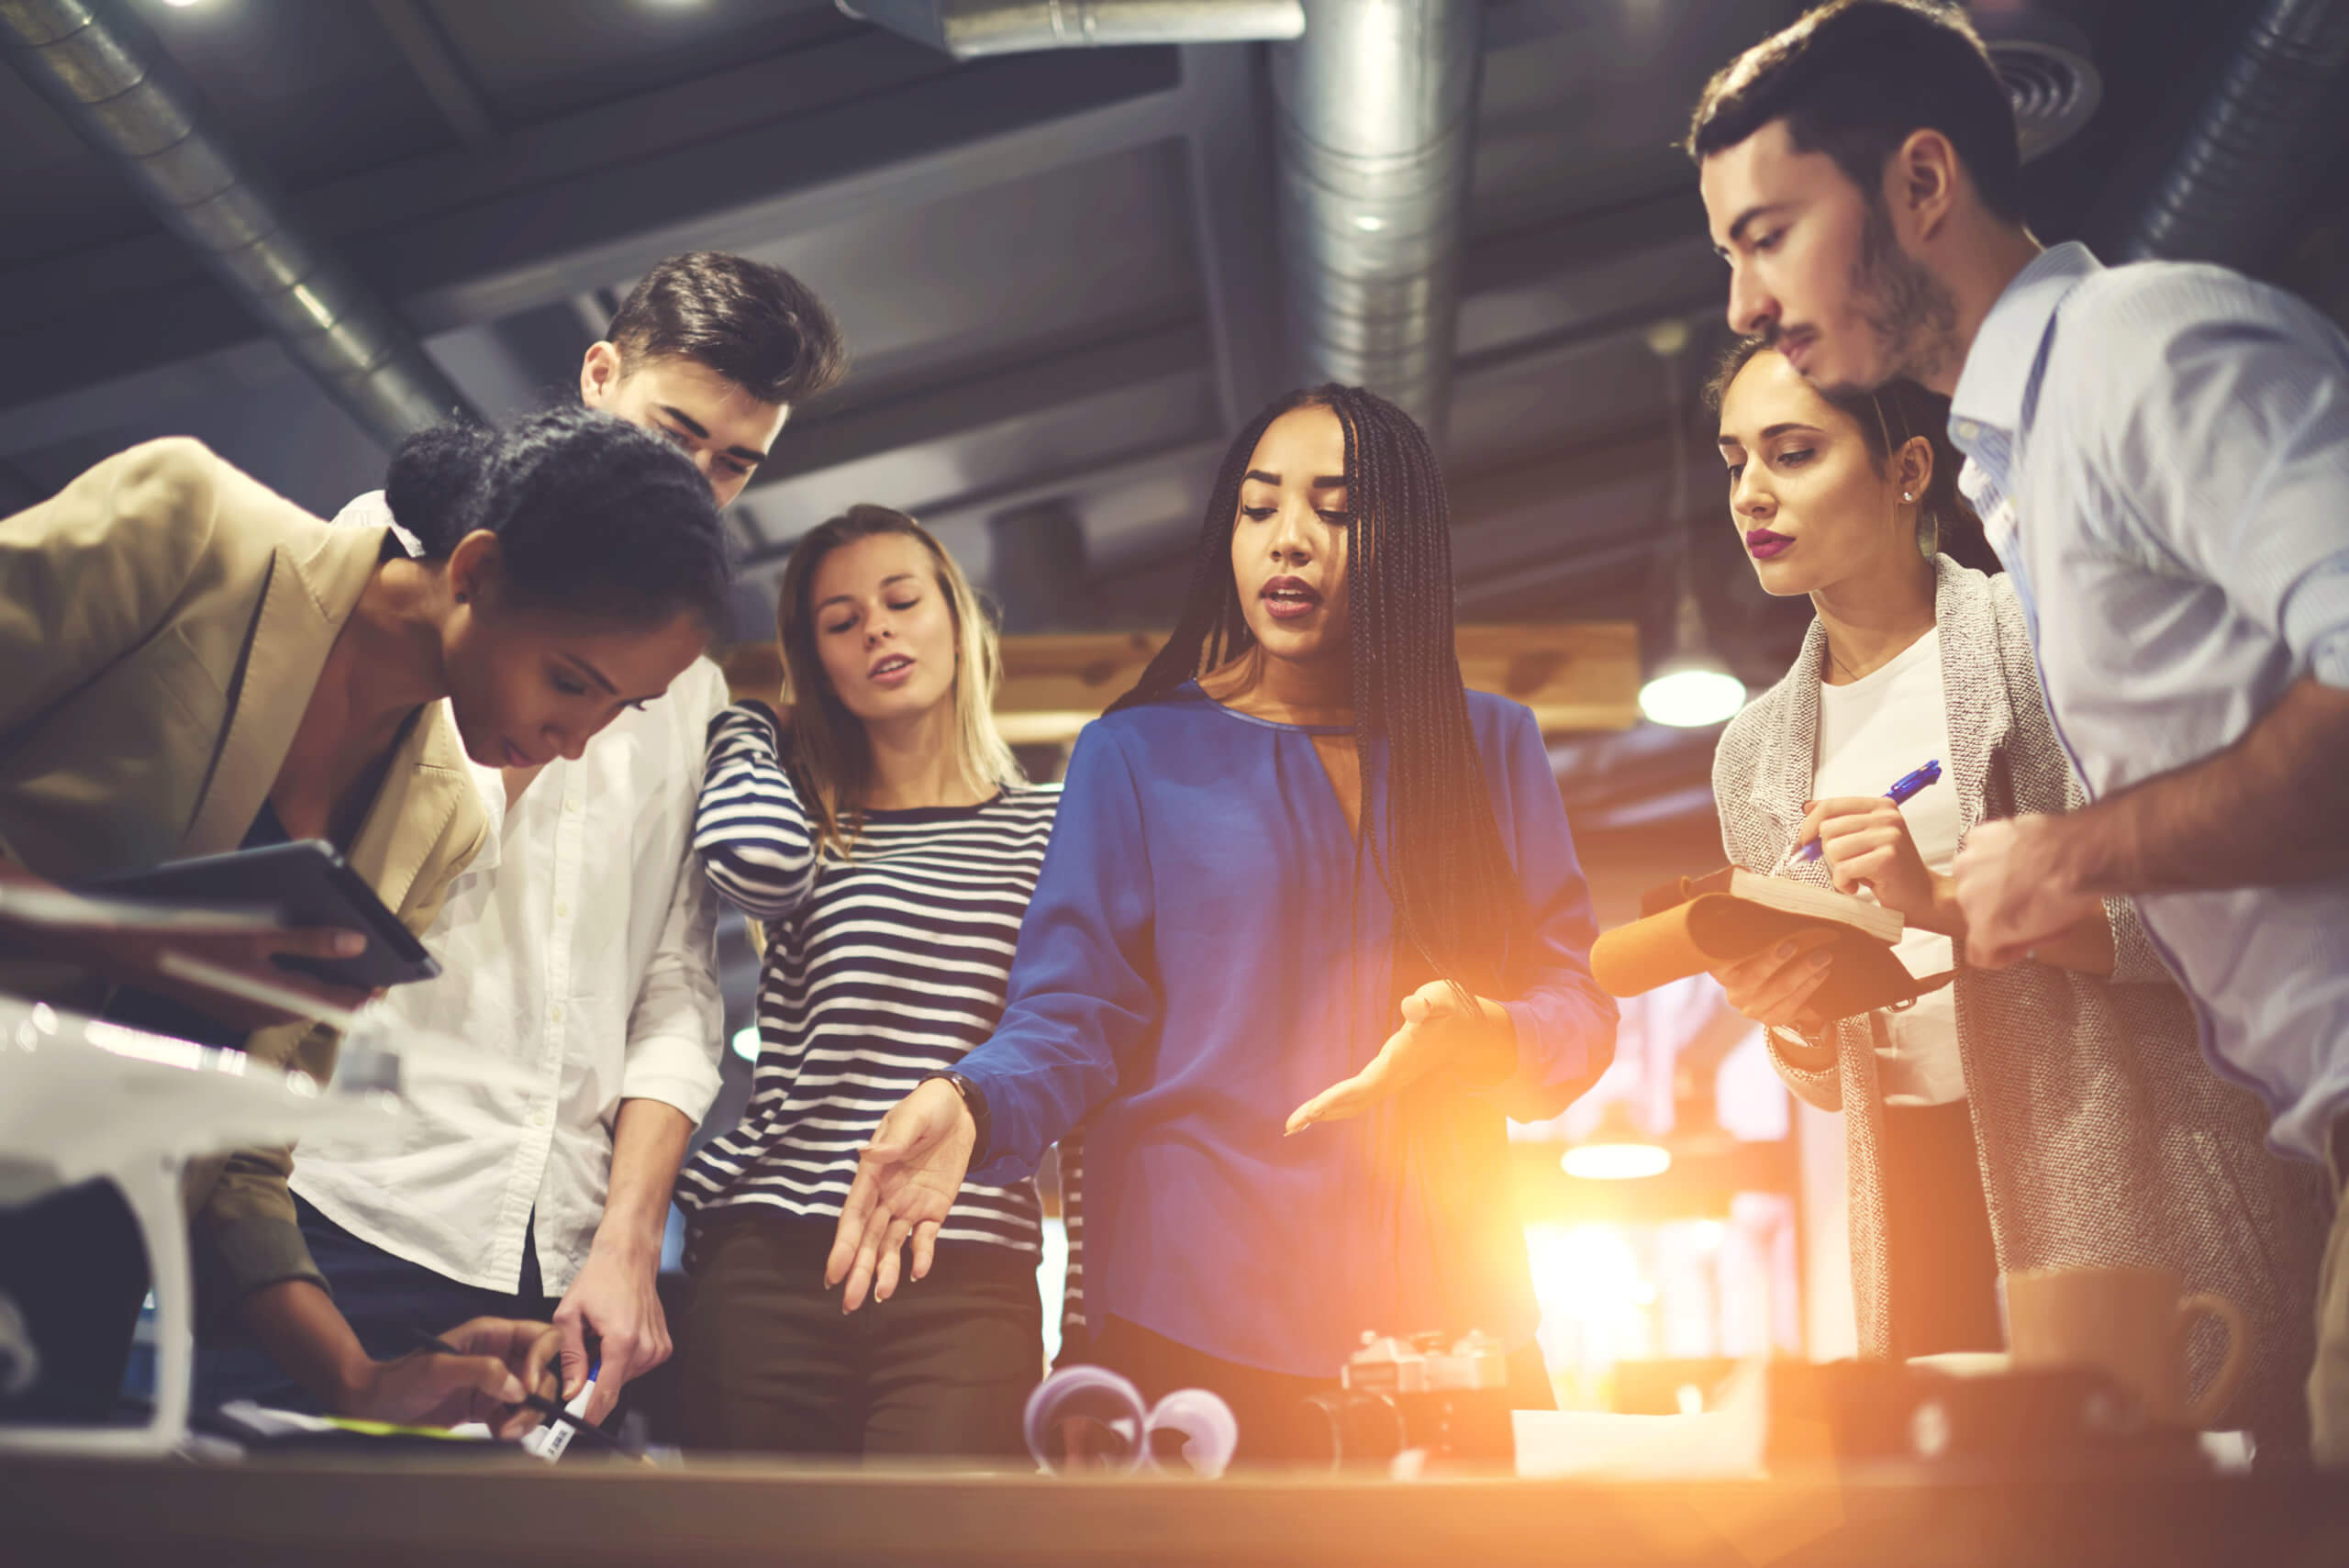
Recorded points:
(889,845)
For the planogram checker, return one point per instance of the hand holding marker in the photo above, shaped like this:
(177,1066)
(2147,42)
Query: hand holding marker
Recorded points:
(1903,790)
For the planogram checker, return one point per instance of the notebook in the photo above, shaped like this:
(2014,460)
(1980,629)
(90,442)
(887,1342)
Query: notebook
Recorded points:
(1700,923)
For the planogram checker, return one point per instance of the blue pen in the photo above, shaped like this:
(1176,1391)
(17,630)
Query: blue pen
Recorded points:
(1909,787)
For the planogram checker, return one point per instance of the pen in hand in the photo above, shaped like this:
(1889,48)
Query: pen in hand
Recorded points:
(1904,789)
(531,1397)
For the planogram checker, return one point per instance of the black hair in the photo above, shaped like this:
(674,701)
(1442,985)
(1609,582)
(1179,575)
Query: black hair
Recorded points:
(756,325)
(1854,79)
(591,512)
(1457,900)
(1888,418)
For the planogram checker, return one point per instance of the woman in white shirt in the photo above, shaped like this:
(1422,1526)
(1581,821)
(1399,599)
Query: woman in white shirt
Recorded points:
(2057,1114)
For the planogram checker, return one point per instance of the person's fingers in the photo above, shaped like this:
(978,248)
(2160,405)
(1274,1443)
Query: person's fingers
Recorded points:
(571,1324)
(541,1346)
(1333,1104)
(885,1273)
(860,1274)
(310,941)
(856,1213)
(659,1346)
(1749,976)
(1769,1001)
(1380,1077)
(925,1247)
(622,1357)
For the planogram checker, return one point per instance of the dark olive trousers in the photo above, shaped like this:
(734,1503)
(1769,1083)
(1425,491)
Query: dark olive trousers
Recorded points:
(771,1365)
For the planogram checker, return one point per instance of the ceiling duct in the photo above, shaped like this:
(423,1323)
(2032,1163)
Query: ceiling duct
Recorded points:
(1376,114)
(973,30)
(2044,64)
(107,76)
(2258,144)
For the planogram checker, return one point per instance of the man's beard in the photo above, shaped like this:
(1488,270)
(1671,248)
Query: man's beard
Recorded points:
(1905,308)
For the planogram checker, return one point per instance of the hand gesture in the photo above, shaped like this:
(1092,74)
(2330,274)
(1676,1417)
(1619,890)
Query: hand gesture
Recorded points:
(1443,1026)
(1774,987)
(499,1364)
(614,1298)
(907,1180)
(1865,842)
(2012,893)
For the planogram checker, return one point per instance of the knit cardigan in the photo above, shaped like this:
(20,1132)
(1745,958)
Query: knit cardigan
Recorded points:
(2103,1137)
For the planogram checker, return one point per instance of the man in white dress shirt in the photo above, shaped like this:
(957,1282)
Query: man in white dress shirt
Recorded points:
(2160,453)
(579,946)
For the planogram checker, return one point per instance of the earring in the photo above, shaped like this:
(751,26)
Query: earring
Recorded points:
(1928,535)
(460,598)
(1905,496)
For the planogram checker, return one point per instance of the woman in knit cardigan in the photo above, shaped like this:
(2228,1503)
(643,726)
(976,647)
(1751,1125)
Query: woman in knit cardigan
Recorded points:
(2053,1114)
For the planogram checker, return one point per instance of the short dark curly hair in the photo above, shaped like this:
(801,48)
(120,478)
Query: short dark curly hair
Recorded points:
(592,514)
(756,325)
(1854,79)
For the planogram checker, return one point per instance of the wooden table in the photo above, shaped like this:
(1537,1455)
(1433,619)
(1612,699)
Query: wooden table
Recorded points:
(346,1514)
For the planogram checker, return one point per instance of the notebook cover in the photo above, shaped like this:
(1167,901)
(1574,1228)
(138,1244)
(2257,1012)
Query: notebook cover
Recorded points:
(1684,931)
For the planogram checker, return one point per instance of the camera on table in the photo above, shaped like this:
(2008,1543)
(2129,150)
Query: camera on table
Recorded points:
(1400,1394)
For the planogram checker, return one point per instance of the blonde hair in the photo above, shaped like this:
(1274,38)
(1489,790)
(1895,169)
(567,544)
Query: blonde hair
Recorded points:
(830,755)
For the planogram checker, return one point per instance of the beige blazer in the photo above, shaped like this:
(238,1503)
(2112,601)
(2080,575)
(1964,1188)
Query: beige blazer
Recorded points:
(164,620)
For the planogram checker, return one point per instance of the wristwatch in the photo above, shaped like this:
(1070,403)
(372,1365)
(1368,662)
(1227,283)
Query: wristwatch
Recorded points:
(974,1100)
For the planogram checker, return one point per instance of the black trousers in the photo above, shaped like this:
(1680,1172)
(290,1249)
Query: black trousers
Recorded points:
(771,1365)
(1939,1254)
(1275,1426)
(73,1264)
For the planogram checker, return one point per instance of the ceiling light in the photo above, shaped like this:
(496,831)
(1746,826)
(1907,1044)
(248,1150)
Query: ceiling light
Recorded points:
(746,1042)
(1369,222)
(1617,1161)
(1691,694)
(1616,1151)
(1692,688)
(182,5)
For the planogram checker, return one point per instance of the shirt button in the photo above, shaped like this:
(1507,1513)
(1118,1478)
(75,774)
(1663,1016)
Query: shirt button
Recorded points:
(555,1013)
(537,1119)
(563,909)
(1967,429)
(571,806)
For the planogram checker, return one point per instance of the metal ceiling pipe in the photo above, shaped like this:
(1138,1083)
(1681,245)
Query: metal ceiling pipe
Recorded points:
(971,30)
(112,81)
(2258,143)
(1377,109)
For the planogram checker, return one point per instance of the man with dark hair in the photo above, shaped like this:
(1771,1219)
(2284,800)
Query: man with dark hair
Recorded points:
(713,350)
(577,951)
(2160,453)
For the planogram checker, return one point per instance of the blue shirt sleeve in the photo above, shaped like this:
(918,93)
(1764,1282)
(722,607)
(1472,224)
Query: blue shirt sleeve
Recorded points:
(1565,1023)
(1082,991)
(2233,440)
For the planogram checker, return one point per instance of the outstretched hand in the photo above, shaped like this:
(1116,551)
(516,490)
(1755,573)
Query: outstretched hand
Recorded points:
(1443,1026)
(907,1180)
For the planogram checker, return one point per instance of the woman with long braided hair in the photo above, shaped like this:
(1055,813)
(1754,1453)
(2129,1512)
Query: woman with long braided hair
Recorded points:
(1310,927)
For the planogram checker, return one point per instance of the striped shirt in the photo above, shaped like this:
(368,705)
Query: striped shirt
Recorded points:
(882,967)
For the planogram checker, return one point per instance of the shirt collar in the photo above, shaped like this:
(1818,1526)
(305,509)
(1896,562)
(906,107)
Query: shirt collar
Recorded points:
(1991,388)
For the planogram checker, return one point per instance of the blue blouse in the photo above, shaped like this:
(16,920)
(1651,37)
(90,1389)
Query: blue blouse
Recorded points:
(1207,949)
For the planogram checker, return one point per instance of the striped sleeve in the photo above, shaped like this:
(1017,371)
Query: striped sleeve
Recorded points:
(756,844)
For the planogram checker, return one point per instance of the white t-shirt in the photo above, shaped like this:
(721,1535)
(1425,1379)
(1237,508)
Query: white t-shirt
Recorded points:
(1879,728)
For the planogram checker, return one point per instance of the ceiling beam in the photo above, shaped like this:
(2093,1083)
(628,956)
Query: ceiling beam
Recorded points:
(814,136)
(438,69)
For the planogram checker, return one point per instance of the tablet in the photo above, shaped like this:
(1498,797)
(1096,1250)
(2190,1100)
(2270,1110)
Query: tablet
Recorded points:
(309,884)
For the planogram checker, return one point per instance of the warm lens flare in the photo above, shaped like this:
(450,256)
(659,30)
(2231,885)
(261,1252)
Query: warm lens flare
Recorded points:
(1616,1161)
